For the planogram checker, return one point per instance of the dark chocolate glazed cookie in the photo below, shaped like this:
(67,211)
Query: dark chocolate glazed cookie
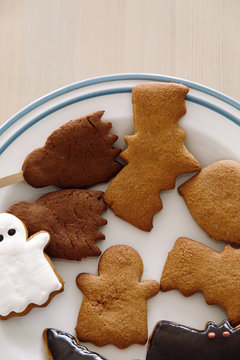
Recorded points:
(63,346)
(171,341)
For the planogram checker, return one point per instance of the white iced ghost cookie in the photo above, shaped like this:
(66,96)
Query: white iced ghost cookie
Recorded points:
(28,278)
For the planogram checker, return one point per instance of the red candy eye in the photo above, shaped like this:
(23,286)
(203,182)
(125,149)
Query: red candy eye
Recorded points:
(211,335)
(226,334)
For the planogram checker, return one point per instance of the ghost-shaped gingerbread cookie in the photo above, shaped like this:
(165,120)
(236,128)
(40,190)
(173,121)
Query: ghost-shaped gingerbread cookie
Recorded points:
(114,307)
(30,279)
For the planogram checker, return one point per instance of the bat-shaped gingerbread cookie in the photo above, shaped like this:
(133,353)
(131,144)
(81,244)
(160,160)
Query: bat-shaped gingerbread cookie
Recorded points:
(171,341)
(192,266)
(156,154)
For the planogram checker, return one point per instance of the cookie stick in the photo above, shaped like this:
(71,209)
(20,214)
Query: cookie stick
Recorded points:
(11,179)
(79,154)
(156,154)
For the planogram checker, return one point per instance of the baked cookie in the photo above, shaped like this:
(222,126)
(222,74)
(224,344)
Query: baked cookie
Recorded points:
(77,155)
(114,308)
(71,218)
(213,198)
(170,341)
(192,266)
(63,346)
(28,277)
(156,154)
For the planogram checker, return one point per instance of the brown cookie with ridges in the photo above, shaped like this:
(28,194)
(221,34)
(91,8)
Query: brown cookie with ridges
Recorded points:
(71,216)
(114,307)
(192,266)
(79,154)
(213,198)
(156,154)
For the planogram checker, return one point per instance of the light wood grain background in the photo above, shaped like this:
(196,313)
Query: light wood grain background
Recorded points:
(46,44)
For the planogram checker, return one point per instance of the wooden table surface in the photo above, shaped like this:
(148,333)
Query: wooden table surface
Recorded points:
(46,44)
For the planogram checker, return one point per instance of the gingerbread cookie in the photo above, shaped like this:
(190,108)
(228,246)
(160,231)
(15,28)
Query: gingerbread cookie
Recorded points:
(63,346)
(28,277)
(192,266)
(156,154)
(71,218)
(114,308)
(213,198)
(77,155)
(170,341)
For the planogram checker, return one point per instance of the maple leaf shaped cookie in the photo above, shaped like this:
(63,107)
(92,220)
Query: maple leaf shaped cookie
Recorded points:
(77,155)
(71,218)
(192,266)
(156,154)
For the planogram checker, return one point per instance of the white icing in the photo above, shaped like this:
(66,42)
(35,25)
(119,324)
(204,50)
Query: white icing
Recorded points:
(26,277)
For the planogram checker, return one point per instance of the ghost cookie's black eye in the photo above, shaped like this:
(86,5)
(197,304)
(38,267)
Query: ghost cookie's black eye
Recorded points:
(11,232)
(1,237)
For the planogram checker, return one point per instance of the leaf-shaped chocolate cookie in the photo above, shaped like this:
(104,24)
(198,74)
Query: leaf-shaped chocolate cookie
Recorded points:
(77,155)
(71,218)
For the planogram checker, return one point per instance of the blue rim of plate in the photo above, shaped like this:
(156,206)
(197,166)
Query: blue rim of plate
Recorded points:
(110,78)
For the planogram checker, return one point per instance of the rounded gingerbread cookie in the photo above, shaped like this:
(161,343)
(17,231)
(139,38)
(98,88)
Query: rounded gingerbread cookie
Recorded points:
(213,198)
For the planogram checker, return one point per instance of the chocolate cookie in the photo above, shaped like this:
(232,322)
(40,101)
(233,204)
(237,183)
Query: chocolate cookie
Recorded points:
(77,155)
(71,218)
(63,346)
(170,341)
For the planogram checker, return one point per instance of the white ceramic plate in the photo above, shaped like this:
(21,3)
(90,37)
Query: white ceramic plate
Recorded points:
(213,133)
